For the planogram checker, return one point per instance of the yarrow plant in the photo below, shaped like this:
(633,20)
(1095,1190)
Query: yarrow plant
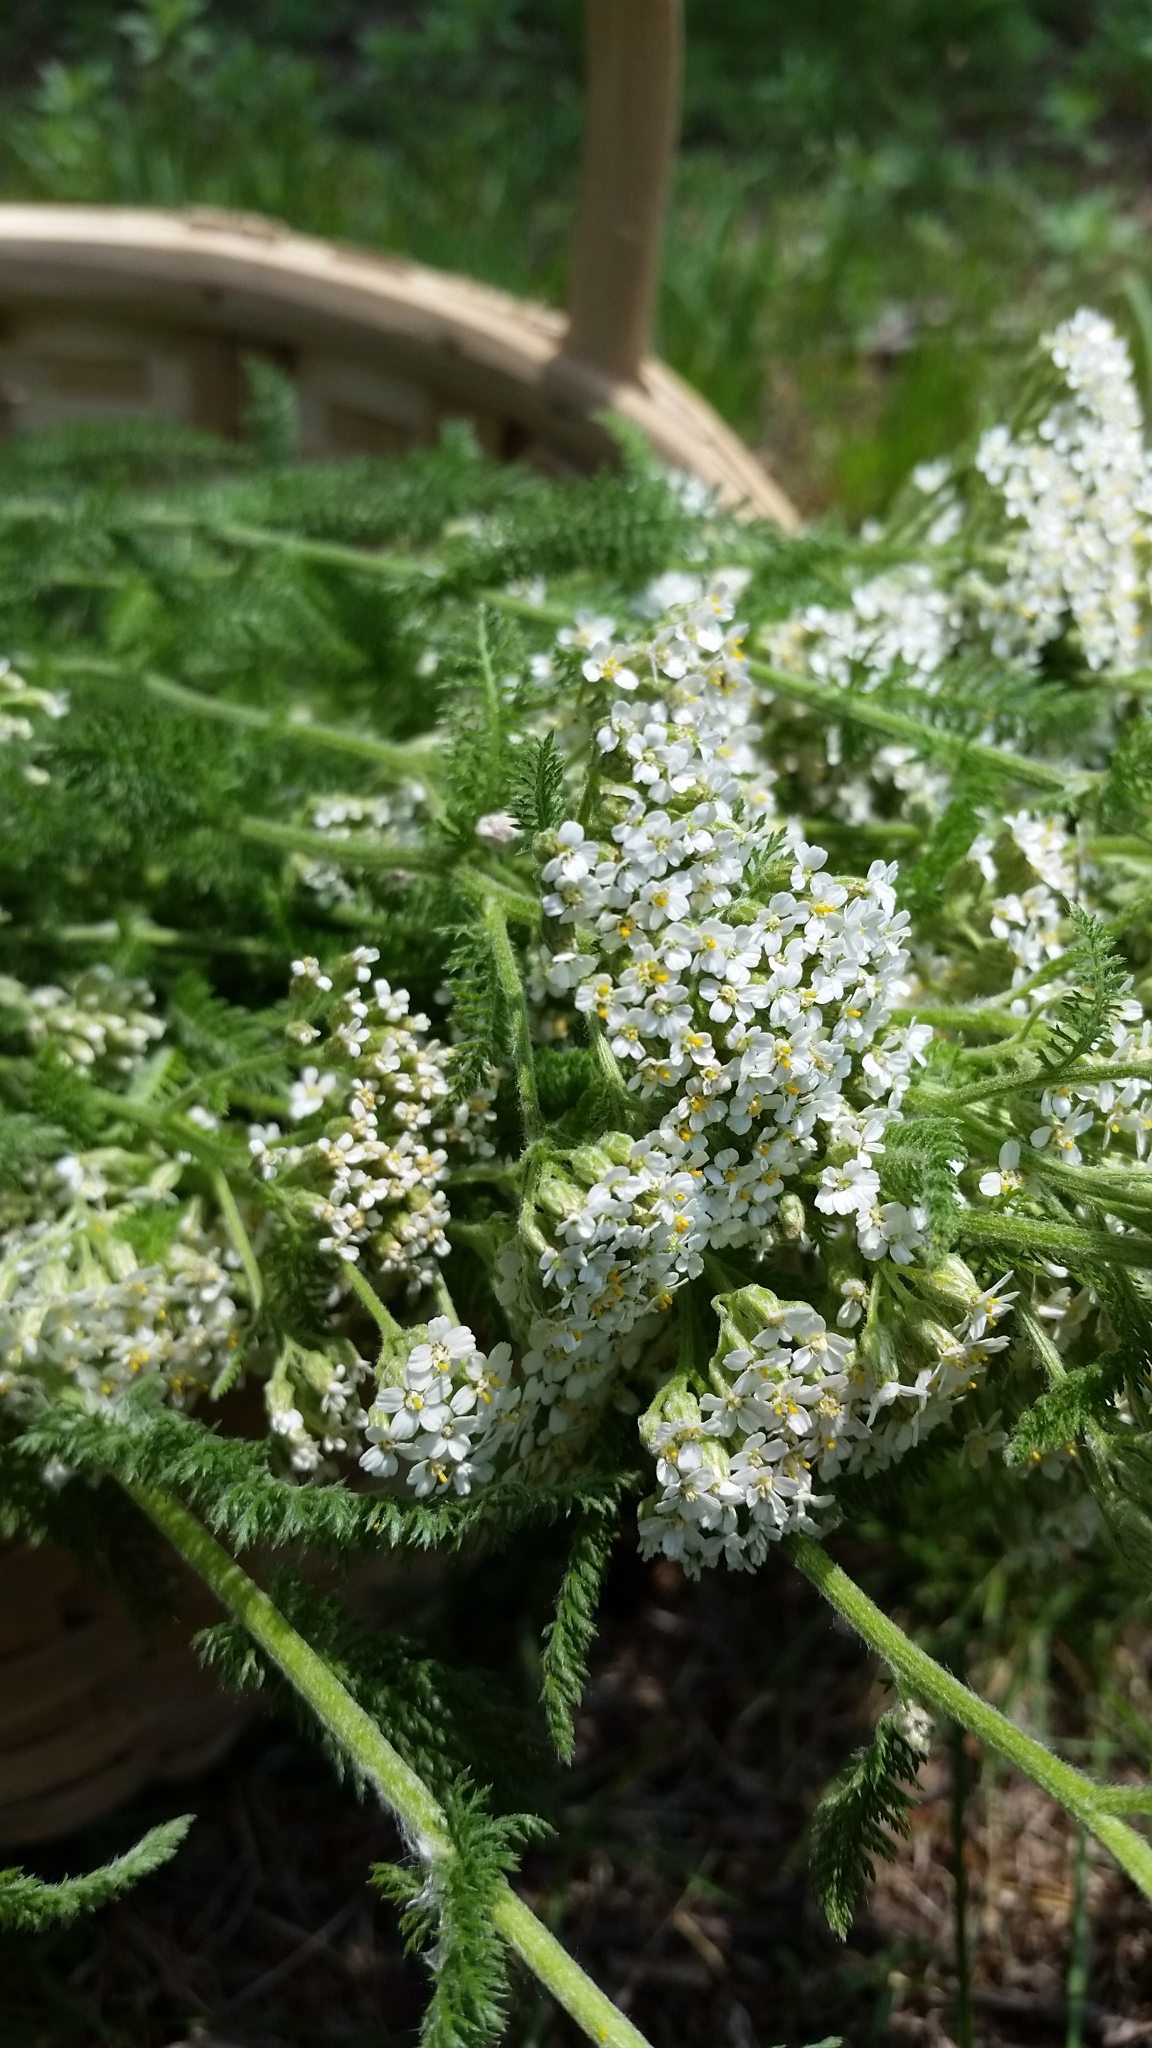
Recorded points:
(570,1066)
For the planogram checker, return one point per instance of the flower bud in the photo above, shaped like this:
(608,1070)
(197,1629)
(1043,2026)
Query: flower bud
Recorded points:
(743,1314)
(930,1337)
(877,1347)
(591,1162)
(674,1403)
(951,1285)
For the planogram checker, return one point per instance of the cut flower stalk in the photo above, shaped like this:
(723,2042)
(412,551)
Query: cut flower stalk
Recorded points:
(919,1674)
(421,1818)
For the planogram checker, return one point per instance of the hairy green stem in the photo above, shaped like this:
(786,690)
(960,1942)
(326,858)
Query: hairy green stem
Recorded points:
(997,1023)
(352,853)
(159,1124)
(111,931)
(516,1010)
(399,1787)
(927,739)
(1041,1077)
(400,761)
(879,832)
(608,1068)
(358,853)
(241,1242)
(393,568)
(1054,1240)
(385,1322)
(930,1682)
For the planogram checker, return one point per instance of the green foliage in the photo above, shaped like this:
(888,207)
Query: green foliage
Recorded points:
(446,1914)
(475,1008)
(859,1817)
(923,879)
(853,207)
(570,1633)
(149,1230)
(916,1171)
(272,412)
(232,789)
(1079,1021)
(442,1721)
(26,1141)
(1127,795)
(1075,1408)
(59,1099)
(31,1905)
(218,1031)
(230,1482)
(538,785)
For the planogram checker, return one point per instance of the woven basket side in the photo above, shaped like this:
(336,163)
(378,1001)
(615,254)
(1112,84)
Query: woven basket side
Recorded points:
(91,1708)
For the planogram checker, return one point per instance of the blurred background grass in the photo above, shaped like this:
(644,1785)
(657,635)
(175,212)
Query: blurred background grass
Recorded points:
(876,209)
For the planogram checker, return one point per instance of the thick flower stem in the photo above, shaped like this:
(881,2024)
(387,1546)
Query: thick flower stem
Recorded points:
(516,1011)
(396,762)
(927,739)
(383,1318)
(399,1787)
(1065,1241)
(930,1682)
(241,1242)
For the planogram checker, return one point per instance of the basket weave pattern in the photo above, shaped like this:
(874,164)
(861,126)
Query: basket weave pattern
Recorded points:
(91,1707)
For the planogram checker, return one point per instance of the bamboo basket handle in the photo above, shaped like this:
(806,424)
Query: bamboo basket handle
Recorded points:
(635,50)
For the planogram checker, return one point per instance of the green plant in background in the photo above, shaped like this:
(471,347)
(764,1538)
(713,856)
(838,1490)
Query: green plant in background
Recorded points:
(427,1000)
(874,215)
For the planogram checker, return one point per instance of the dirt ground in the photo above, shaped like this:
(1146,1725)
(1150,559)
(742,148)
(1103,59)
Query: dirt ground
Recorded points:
(714,1716)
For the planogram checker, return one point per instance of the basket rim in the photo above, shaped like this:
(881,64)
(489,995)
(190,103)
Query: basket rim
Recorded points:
(241,272)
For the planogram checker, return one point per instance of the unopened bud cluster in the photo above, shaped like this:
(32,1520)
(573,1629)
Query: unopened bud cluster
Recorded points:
(377,1093)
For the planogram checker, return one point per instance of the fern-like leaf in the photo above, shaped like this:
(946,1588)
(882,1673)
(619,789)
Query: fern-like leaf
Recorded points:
(1067,1412)
(228,1480)
(952,835)
(569,1634)
(859,1817)
(475,1010)
(216,1032)
(442,1721)
(917,1170)
(446,1913)
(538,785)
(30,1904)
(1081,1018)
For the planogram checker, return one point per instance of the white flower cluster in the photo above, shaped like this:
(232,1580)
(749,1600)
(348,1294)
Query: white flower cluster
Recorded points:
(1033,921)
(443,1413)
(371,821)
(1077,491)
(744,1020)
(1069,545)
(1081,489)
(17,699)
(79,1311)
(899,624)
(99,1022)
(793,1409)
(312,1400)
(373,1177)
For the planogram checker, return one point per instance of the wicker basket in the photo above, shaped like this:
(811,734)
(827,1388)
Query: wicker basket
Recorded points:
(91,1709)
(115,311)
(108,312)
